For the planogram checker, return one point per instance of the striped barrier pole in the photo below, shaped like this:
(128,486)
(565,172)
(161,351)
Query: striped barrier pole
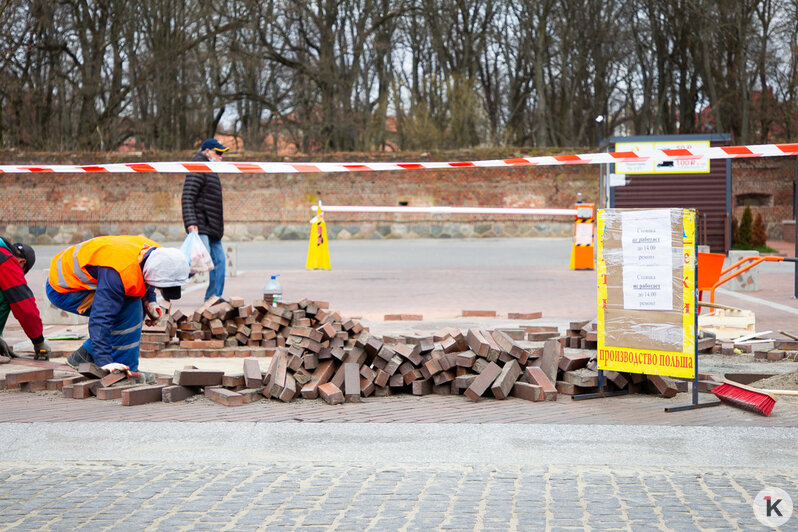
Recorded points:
(583,213)
(446,210)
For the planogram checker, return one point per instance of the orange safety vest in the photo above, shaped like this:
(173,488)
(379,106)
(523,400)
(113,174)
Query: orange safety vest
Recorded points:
(122,253)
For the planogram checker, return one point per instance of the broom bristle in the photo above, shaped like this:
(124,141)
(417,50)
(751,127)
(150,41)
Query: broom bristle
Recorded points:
(747,400)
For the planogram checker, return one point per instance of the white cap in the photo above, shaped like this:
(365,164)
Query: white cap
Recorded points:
(165,267)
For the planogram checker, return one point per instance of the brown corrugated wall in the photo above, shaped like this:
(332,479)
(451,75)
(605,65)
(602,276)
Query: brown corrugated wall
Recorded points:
(705,192)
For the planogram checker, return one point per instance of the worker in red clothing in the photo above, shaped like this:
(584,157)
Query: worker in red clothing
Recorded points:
(15,296)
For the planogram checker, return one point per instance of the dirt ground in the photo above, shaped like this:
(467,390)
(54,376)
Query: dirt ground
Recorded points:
(786,381)
(744,363)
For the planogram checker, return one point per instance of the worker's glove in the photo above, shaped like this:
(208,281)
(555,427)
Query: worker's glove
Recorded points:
(153,311)
(41,350)
(115,367)
(85,305)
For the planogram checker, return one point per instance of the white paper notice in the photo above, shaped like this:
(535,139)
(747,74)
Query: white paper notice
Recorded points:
(617,180)
(647,260)
(583,236)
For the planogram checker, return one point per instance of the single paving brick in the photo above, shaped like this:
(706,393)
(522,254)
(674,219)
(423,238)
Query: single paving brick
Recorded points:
(142,394)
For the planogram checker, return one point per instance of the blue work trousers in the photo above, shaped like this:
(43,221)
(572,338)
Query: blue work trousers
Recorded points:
(216,275)
(125,332)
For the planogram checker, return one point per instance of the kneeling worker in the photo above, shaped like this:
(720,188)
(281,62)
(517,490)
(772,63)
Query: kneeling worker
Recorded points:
(15,296)
(111,279)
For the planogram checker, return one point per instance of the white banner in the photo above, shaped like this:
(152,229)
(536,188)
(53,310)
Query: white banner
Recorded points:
(647,260)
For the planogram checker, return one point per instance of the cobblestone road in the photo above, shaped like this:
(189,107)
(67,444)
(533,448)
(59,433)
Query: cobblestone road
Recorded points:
(286,496)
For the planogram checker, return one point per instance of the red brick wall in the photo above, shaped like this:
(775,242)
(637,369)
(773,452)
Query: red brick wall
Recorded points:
(48,199)
(95,199)
(771,175)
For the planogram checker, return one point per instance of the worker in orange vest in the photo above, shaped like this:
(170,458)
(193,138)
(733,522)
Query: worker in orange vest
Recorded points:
(112,280)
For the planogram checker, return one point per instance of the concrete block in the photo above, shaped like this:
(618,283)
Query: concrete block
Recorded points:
(746,281)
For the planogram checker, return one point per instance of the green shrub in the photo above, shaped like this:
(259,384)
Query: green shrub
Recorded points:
(745,230)
(759,236)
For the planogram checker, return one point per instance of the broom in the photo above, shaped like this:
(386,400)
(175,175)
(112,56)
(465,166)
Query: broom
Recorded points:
(748,398)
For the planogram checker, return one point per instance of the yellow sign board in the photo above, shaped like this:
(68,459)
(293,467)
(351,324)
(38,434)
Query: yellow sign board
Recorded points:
(687,166)
(646,266)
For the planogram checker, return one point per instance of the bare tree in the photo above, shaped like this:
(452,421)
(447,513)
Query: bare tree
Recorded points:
(329,74)
(726,70)
(331,45)
(35,90)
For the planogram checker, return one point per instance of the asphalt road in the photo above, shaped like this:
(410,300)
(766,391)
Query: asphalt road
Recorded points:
(282,255)
(439,278)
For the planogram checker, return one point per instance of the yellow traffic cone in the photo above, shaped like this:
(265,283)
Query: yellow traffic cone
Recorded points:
(318,252)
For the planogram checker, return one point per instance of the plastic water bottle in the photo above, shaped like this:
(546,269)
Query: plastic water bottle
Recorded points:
(273,291)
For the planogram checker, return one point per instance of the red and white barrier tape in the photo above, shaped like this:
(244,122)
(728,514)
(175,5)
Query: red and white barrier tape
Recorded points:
(445,210)
(682,154)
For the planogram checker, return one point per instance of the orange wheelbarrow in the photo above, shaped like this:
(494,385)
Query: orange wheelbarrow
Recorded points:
(711,273)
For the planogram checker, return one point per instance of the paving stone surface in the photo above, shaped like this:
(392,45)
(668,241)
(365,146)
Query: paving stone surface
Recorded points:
(236,478)
(322,496)
(635,409)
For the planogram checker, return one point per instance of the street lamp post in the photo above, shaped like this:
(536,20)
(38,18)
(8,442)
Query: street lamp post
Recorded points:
(604,169)
(600,121)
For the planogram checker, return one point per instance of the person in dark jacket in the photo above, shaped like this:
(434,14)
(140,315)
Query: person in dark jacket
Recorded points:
(16,296)
(203,212)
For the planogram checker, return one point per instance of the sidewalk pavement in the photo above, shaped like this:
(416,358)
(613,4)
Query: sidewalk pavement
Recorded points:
(394,476)
(401,463)
(529,283)
(785,249)
(378,496)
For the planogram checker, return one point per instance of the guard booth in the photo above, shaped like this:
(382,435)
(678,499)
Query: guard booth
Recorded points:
(704,185)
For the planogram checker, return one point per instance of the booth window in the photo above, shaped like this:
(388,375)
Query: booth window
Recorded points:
(754,199)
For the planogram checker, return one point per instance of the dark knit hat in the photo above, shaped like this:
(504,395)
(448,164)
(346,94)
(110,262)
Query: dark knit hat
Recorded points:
(24,251)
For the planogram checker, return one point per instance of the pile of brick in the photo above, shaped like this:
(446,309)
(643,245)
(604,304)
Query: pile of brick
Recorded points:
(530,364)
(576,362)
(35,380)
(220,328)
(339,361)
(317,353)
(234,329)
(451,362)
(90,381)
(764,350)
(476,364)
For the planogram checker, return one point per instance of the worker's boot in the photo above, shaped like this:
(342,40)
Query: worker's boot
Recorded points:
(6,353)
(79,356)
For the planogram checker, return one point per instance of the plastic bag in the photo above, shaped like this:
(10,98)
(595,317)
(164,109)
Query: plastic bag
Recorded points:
(198,257)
